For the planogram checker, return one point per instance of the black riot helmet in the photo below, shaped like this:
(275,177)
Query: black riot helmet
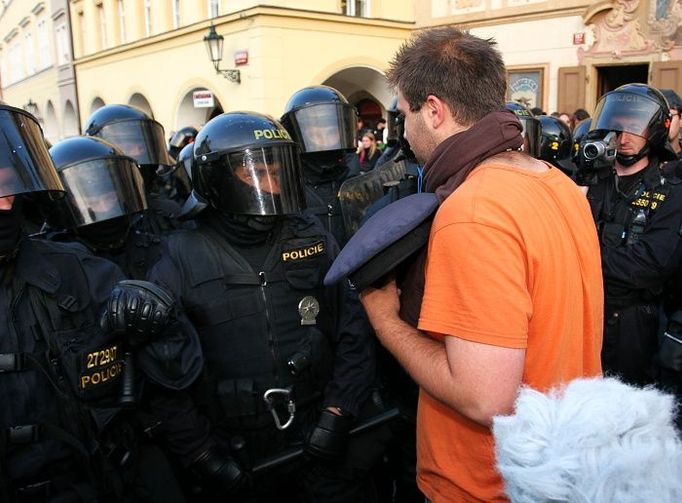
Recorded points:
(556,143)
(246,163)
(184,160)
(320,119)
(25,163)
(181,138)
(530,125)
(101,182)
(636,109)
(135,133)
(396,131)
(579,133)
(392,134)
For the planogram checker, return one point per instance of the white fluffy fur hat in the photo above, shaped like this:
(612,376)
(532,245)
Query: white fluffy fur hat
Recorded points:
(596,441)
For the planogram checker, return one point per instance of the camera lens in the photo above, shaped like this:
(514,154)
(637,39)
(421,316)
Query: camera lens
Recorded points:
(593,150)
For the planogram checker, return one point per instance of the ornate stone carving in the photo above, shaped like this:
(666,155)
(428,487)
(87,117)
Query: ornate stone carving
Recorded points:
(632,27)
(665,21)
(617,31)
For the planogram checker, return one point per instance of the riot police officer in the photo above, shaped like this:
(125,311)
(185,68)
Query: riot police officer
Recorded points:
(62,373)
(530,125)
(638,212)
(556,143)
(287,360)
(322,122)
(142,138)
(104,204)
(181,138)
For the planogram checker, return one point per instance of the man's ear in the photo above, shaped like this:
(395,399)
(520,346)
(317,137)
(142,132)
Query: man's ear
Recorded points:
(436,111)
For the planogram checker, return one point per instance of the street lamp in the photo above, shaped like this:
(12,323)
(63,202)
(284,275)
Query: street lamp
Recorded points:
(214,47)
(32,108)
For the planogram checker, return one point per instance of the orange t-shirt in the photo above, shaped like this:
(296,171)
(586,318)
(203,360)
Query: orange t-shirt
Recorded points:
(513,261)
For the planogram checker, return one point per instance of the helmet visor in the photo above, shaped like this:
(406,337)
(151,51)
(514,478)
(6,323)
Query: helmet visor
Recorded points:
(626,112)
(255,181)
(325,127)
(532,135)
(142,140)
(25,163)
(103,189)
(180,139)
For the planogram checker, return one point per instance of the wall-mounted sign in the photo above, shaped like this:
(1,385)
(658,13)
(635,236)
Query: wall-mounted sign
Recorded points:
(525,86)
(241,58)
(579,38)
(203,99)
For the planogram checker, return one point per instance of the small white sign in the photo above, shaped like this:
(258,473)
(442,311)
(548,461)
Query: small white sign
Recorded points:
(203,99)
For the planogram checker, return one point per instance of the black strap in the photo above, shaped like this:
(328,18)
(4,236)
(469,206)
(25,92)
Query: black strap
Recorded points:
(29,433)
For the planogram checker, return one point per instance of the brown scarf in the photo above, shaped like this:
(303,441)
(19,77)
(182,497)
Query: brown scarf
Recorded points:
(449,165)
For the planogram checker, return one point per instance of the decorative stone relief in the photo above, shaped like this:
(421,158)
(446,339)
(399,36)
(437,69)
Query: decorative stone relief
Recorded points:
(665,21)
(616,30)
(632,27)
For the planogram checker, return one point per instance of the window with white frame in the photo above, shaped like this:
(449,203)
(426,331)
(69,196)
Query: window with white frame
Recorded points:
(63,49)
(43,44)
(176,14)
(148,17)
(121,21)
(359,8)
(213,8)
(29,54)
(17,63)
(102,26)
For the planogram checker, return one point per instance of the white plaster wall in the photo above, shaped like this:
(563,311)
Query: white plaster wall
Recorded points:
(541,42)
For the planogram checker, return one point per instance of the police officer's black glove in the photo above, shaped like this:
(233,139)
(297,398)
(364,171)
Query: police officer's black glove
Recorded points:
(219,472)
(139,310)
(329,438)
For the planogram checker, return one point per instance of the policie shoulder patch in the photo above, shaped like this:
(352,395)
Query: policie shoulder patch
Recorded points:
(304,252)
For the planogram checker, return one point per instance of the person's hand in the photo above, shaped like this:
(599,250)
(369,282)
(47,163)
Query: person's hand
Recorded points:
(220,471)
(382,304)
(328,440)
(139,310)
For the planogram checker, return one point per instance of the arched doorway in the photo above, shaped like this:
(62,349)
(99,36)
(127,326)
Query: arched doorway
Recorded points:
(70,120)
(51,124)
(96,104)
(191,115)
(366,89)
(139,101)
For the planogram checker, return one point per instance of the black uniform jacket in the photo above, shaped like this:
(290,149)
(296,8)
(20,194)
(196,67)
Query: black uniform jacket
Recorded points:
(252,321)
(638,258)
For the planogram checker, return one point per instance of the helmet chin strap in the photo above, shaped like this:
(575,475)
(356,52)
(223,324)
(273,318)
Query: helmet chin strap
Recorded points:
(629,160)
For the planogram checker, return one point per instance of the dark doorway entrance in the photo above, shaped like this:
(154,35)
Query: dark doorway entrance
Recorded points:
(611,77)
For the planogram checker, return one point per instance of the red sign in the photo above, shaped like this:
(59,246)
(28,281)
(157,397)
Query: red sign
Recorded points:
(579,38)
(241,58)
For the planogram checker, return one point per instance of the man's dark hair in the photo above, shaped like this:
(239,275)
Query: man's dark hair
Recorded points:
(674,100)
(580,115)
(464,71)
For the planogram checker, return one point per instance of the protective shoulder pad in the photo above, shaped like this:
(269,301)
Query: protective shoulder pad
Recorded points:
(389,237)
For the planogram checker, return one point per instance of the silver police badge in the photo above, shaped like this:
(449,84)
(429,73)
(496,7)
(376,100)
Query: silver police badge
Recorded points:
(308,308)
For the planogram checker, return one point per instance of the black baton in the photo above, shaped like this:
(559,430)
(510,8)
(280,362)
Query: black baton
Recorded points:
(292,454)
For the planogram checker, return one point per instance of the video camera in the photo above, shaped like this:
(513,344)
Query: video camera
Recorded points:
(594,155)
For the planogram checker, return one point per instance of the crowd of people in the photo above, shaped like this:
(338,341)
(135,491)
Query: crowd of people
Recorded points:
(171,330)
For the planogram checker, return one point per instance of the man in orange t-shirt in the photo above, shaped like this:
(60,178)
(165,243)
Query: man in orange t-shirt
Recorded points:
(512,282)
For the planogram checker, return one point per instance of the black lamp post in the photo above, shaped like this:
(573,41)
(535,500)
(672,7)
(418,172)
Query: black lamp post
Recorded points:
(32,108)
(214,47)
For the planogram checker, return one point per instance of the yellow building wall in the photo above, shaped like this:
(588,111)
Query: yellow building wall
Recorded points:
(41,86)
(287,50)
